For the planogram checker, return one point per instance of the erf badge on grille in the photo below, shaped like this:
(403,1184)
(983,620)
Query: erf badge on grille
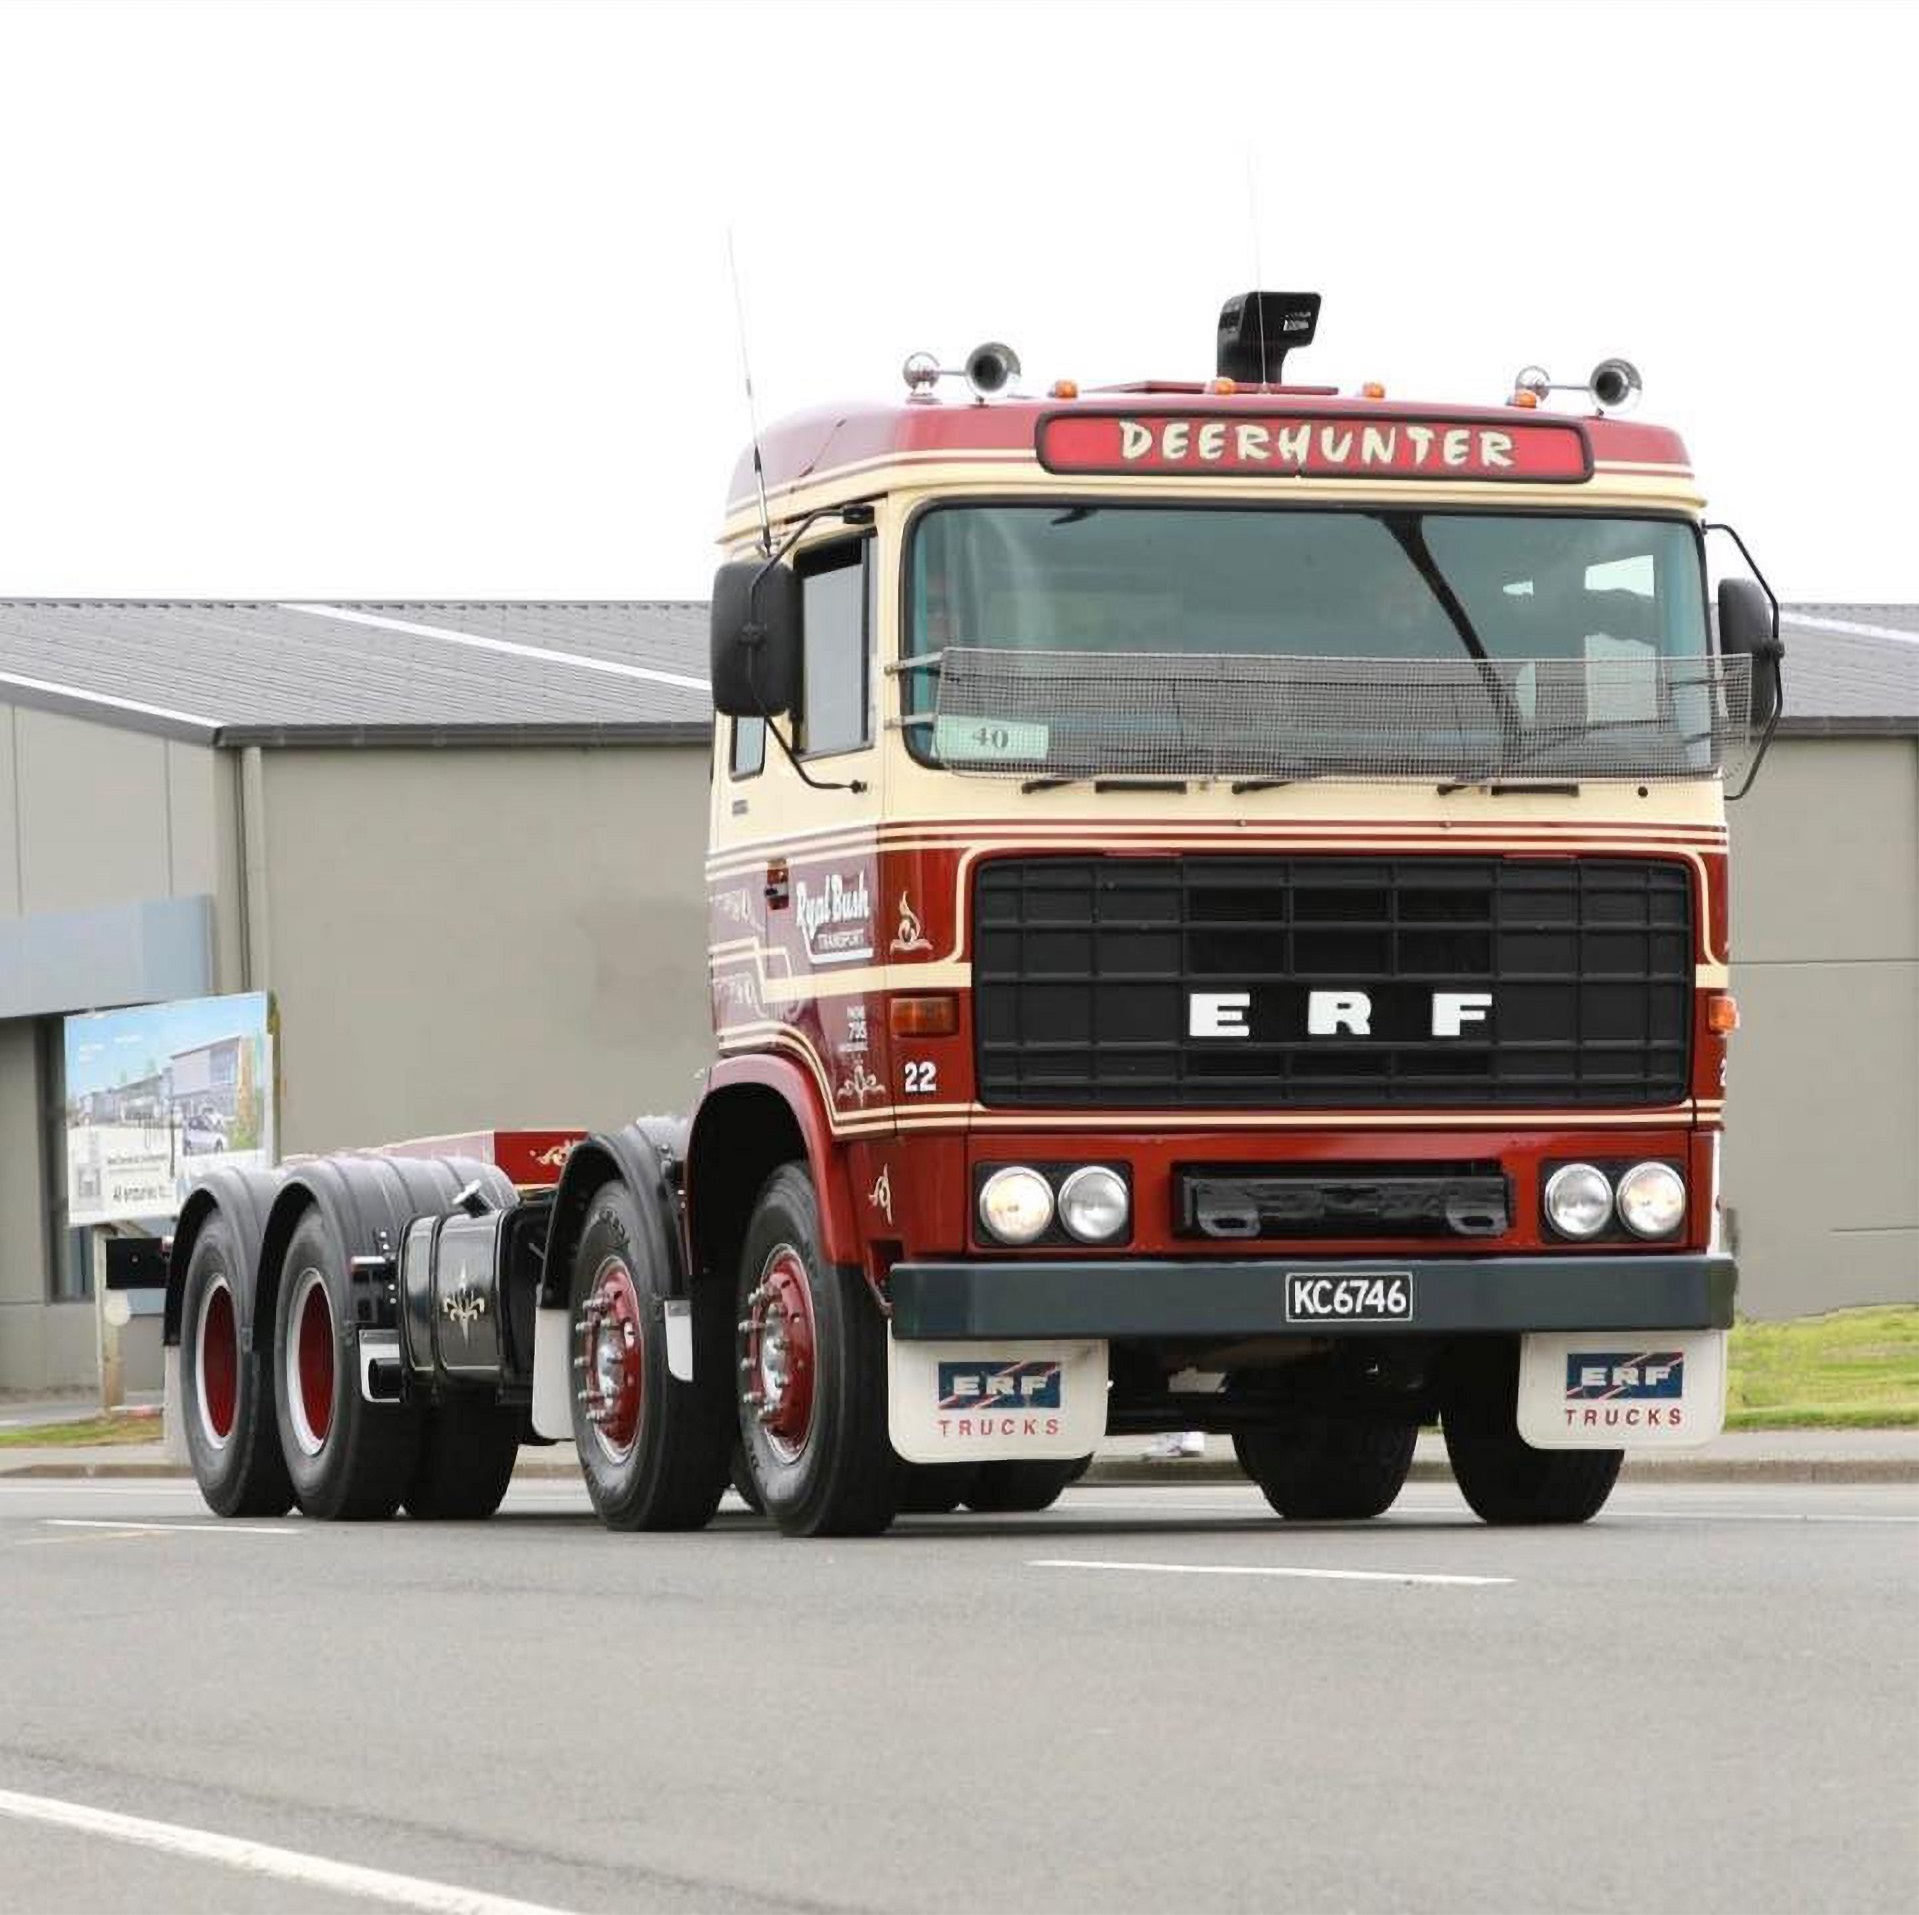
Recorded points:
(1335,1013)
(1359,1296)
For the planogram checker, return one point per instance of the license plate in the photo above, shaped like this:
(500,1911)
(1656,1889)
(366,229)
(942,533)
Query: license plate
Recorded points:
(1349,1296)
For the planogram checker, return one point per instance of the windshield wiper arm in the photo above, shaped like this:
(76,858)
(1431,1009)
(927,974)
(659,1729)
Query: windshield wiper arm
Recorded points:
(1105,784)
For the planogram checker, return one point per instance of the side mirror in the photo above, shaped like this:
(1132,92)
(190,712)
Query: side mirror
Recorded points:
(1749,628)
(756,639)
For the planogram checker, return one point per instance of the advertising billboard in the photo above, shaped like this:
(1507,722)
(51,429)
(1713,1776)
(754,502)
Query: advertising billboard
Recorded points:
(161,1094)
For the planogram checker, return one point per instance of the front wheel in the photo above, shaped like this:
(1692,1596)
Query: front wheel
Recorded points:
(1507,1481)
(1316,1467)
(1019,1489)
(1500,1474)
(812,1359)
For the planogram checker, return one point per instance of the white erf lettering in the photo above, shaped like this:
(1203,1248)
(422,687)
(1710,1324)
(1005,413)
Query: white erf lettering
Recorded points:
(1218,1014)
(1454,1010)
(1329,1012)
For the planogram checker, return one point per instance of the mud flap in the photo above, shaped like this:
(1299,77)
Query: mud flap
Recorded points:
(994,1402)
(1622,1390)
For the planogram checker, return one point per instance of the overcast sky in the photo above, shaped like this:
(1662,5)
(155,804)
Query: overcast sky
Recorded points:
(433,300)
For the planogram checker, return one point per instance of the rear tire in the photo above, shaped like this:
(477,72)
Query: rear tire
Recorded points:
(812,1353)
(1019,1489)
(1316,1467)
(226,1394)
(655,1450)
(349,1460)
(466,1461)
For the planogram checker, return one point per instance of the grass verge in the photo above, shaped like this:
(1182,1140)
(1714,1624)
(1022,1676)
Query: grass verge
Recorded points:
(94,1432)
(1848,1370)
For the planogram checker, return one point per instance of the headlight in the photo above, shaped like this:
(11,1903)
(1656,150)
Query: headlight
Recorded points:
(1016,1204)
(1578,1200)
(1092,1204)
(1652,1200)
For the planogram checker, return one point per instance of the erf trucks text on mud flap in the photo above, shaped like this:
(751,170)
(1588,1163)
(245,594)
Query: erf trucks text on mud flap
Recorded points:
(1218,920)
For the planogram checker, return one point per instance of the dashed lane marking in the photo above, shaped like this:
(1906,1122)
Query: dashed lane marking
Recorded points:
(166,1529)
(260,1858)
(1263,1569)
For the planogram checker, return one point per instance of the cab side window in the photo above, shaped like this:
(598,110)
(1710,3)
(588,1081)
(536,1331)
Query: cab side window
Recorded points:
(749,747)
(835,597)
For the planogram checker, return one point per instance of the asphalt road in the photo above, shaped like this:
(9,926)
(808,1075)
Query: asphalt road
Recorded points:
(1706,1700)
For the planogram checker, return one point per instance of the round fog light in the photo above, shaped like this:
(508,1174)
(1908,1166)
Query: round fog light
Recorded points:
(1578,1200)
(1092,1204)
(1652,1200)
(1016,1204)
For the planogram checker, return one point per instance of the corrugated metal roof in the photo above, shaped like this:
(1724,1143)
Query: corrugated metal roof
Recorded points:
(267,672)
(1851,667)
(369,671)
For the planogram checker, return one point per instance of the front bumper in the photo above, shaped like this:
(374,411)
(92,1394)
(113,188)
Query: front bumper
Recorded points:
(1219,1297)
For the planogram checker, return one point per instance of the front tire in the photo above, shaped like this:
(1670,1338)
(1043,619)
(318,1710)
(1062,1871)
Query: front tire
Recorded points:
(1020,1489)
(349,1460)
(1504,1479)
(1316,1467)
(812,1352)
(1507,1481)
(226,1393)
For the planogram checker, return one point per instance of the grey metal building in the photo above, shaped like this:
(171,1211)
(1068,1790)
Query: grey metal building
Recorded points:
(461,845)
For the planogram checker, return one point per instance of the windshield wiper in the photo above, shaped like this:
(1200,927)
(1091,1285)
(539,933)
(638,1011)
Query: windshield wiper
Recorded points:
(1104,784)
(1410,533)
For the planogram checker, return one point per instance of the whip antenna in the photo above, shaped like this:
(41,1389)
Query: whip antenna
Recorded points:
(752,405)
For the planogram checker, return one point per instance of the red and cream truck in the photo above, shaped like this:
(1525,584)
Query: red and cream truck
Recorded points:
(1218,920)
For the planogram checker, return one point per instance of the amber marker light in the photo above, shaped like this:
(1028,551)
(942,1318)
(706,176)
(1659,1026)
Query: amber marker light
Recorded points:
(1722,1012)
(1224,387)
(1064,389)
(1529,400)
(1372,389)
(936,1015)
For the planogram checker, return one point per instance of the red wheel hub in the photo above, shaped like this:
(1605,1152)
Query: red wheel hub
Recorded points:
(219,1363)
(612,1356)
(316,1362)
(782,1352)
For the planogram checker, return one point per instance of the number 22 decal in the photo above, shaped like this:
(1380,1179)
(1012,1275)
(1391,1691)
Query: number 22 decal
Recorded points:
(922,1077)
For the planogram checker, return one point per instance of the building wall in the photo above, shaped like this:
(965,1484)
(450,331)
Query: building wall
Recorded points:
(1822,1144)
(470,937)
(94,819)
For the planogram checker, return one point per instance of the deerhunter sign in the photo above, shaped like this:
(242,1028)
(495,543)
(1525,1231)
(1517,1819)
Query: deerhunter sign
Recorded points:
(1288,445)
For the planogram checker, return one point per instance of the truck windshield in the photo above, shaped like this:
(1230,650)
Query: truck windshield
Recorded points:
(1503,616)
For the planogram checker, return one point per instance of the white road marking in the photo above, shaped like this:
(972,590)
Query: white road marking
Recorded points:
(165,1529)
(1624,1512)
(1260,1569)
(259,1858)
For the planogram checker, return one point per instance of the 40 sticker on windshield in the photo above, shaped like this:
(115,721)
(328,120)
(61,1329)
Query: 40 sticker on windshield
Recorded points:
(990,740)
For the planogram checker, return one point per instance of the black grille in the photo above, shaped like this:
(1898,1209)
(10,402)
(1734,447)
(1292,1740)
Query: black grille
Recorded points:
(1084,971)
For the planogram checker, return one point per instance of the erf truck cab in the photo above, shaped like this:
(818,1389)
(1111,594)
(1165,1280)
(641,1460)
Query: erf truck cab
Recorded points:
(1218,920)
